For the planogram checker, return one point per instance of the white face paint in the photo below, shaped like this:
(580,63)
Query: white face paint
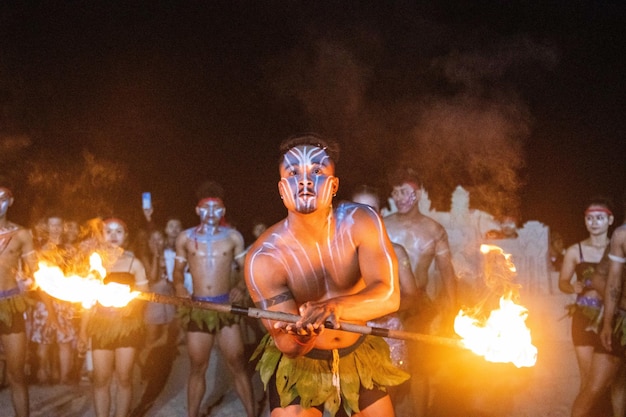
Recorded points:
(5,201)
(597,221)
(211,212)
(114,233)
(405,197)
(307,180)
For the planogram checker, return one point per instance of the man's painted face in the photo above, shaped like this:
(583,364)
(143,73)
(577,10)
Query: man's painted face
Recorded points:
(598,219)
(6,199)
(211,211)
(307,180)
(405,196)
(114,233)
(173,228)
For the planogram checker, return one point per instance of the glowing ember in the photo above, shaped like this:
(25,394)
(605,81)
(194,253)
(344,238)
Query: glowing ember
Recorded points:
(85,290)
(503,337)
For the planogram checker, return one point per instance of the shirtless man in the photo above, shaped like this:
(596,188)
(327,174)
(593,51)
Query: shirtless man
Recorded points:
(425,241)
(16,244)
(615,296)
(323,264)
(210,249)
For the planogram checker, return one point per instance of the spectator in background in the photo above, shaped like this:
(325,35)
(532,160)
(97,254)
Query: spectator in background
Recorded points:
(556,251)
(52,326)
(579,264)
(116,333)
(209,250)
(426,242)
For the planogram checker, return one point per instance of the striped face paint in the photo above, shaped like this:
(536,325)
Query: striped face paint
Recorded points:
(6,199)
(211,211)
(307,180)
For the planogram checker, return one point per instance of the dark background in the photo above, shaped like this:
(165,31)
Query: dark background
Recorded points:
(520,102)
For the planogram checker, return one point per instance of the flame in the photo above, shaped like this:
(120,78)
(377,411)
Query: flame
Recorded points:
(508,261)
(504,336)
(86,290)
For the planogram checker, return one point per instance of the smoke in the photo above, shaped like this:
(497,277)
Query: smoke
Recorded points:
(475,143)
(459,120)
(85,188)
(474,134)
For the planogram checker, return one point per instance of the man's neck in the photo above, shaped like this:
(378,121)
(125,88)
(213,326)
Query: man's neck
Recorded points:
(313,224)
(207,229)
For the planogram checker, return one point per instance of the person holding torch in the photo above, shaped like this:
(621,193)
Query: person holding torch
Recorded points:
(325,265)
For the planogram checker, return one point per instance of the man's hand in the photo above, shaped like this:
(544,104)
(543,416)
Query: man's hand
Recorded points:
(181,291)
(606,336)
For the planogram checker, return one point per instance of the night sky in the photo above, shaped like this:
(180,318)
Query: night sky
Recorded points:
(521,103)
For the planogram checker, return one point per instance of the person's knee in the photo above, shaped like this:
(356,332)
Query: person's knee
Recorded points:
(199,368)
(100,381)
(124,380)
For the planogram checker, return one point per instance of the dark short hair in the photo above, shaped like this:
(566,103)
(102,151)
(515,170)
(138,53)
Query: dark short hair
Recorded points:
(404,174)
(602,201)
(313,139)
(210,189)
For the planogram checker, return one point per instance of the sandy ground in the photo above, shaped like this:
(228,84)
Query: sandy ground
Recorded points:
(465,386)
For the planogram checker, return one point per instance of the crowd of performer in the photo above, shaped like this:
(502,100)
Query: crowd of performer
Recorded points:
(327,261)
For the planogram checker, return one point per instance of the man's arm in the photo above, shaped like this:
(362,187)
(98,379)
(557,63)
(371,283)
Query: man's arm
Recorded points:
(614,284)
(239,291)
(141,280)
(408,286)
(265,279)
(178,275)
(443,260)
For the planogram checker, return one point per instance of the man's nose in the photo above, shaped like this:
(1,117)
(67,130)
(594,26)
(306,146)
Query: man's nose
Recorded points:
(305,181)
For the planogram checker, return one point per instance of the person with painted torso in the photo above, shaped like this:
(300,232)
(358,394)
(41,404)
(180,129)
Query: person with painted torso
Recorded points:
(323,264)
(16,248)
(116,334)
(209,250)
(426,242)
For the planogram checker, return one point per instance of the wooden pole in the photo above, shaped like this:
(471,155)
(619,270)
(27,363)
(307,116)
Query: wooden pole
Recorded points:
(292,318)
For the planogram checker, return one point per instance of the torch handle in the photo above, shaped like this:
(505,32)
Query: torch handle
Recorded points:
(292,318)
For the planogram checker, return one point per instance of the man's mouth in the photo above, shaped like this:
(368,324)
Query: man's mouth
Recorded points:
(306,193)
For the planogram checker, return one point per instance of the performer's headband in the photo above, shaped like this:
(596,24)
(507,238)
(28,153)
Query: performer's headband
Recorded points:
(207,200)
(115,220)
(413,185)
(598,208)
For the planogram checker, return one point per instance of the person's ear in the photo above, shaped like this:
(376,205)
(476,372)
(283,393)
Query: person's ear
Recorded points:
(335,185)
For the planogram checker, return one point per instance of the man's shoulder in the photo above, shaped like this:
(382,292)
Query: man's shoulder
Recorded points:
(619,235)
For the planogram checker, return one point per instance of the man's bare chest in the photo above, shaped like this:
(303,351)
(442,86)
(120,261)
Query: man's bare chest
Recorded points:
(209,246)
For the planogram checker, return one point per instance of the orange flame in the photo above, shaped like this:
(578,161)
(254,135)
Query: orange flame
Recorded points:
(86,290)
(504,336)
